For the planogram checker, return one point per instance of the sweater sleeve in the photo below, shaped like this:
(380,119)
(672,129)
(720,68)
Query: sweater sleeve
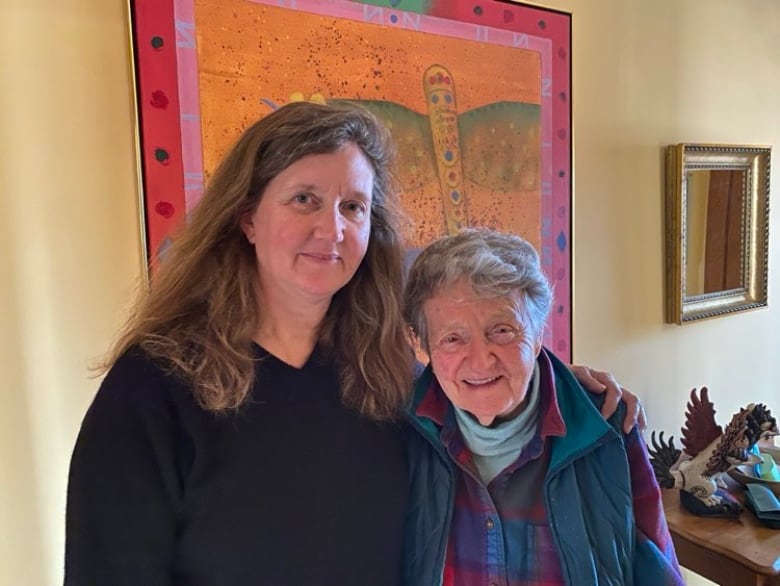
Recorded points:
(653,537)
(124,484)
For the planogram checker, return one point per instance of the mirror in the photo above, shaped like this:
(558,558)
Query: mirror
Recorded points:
(714,209)
(717,214)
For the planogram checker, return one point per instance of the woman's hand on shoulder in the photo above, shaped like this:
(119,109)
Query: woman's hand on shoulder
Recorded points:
(599,381)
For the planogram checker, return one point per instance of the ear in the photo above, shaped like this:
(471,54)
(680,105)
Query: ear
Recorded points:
(419,348)
(247,224)
(538,345)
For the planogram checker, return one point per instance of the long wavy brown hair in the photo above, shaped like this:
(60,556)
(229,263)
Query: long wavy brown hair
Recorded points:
(203,306)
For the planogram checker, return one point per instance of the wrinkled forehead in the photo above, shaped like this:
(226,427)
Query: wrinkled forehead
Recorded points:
(448,300)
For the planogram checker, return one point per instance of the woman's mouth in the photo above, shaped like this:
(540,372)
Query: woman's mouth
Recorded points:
(478,382)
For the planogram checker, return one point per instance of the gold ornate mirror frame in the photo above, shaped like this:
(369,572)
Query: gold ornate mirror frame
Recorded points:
(717,218)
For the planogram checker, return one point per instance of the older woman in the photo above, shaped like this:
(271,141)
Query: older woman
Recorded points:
(248,430)
(516,478)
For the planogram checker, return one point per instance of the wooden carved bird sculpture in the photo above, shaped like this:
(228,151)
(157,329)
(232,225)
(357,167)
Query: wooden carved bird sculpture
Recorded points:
(707,452)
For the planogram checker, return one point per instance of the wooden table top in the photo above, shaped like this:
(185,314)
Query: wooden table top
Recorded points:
(744,539)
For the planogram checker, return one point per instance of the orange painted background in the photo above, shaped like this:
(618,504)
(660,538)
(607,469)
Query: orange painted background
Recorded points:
(248,53)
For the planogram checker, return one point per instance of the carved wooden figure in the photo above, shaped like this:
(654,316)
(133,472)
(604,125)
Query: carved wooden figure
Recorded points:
(707,452)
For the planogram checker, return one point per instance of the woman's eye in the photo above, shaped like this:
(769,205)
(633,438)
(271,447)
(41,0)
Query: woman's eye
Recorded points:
(355,207)
(302,198)
(450,341)
(502,334)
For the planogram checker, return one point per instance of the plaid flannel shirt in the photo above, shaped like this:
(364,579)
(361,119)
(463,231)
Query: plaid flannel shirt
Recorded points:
(500,534)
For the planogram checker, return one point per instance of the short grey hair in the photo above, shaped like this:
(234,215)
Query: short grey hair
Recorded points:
(495,264)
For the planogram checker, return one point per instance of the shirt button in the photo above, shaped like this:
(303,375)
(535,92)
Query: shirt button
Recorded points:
(489,526)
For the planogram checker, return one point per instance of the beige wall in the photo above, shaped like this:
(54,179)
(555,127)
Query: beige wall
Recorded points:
(646,74)
(69,252)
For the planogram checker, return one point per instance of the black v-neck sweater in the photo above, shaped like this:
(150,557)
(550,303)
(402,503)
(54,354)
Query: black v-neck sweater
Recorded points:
(294,489)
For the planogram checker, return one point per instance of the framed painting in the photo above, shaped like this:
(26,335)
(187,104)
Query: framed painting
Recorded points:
(476,94)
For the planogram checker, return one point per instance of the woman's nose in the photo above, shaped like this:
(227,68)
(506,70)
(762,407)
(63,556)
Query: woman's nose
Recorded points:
(481,353)
(330,224)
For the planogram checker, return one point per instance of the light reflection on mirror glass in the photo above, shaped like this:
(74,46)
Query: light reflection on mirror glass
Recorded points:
(715,203)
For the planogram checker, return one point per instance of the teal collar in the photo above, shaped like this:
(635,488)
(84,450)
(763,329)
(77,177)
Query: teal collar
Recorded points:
(496,447)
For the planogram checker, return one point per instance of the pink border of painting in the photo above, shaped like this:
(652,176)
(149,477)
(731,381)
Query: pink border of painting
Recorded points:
(192,147)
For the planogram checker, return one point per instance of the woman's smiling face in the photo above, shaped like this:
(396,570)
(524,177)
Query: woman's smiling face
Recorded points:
(481,351)
(311,228)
